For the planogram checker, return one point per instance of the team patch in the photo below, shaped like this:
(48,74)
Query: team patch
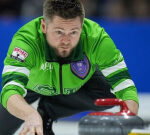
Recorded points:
(19,54)
(81,68)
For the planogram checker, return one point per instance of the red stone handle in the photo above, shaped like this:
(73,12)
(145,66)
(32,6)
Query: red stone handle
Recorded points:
(113,102)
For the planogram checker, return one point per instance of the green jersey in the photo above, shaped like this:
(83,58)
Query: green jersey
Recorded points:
(32,64)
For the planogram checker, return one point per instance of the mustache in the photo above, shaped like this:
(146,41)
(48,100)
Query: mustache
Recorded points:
(64,46)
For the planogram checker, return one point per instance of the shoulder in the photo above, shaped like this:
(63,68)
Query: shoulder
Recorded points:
(92,34)
(91,28)
(27,38)
(30,30)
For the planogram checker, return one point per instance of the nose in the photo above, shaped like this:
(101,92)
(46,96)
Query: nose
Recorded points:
(66,39)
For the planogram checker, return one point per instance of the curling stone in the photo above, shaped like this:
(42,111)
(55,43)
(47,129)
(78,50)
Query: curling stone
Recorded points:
(109,123)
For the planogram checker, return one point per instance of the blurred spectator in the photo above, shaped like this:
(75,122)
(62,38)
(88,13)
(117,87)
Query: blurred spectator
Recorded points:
(10,7)
(113,9)
(138,8)
(32,8)
(91,7)
(118,9)
(126,9)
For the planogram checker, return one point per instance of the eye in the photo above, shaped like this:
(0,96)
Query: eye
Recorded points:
(74,32)
(59,32)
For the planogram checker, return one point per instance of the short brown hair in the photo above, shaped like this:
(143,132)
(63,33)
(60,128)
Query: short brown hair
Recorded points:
(66,9)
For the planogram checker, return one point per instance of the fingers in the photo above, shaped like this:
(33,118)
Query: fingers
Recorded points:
(32,131)
(39,130)
(24,131)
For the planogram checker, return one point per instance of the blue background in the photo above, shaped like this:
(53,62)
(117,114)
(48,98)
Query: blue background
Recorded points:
(132,37)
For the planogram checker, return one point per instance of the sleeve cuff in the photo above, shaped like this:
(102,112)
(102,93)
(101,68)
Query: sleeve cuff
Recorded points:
(6,96)
(128,94)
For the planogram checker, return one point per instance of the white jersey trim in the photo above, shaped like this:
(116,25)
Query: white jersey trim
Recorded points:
(125,84)
(108,71)
(17,84)
(23,70)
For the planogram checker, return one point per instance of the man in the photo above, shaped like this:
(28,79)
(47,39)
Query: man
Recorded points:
(53,60)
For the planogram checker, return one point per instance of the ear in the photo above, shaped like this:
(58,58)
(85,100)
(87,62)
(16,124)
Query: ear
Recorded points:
(43,24)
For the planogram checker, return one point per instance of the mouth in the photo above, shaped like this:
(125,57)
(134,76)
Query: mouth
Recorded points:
(64,47)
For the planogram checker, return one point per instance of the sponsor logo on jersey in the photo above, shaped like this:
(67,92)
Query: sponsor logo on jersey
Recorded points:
(46,89)
(19,54)
(68,91)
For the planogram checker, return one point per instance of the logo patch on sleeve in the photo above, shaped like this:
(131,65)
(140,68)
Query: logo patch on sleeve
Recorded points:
(19,54)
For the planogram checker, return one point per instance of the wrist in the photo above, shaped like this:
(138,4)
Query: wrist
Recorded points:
(30,113)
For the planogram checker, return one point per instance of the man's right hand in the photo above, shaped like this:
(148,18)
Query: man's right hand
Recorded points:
(18,107)
(33,125)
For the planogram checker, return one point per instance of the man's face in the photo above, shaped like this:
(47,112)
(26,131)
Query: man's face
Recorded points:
(62,34)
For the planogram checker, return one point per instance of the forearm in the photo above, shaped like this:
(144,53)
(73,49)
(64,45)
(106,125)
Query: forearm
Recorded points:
(133,106)
(18,107)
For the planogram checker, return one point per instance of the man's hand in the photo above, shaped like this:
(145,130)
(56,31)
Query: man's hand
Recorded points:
(18,107)
(132,105)
(33,125)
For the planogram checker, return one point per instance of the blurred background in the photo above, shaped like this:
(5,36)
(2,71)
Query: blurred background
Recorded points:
(114,9)
(126,21)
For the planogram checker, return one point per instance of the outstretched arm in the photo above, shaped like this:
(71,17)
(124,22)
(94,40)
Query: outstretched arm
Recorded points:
(18,107)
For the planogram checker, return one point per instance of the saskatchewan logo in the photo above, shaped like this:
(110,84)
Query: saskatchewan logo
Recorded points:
(45,90)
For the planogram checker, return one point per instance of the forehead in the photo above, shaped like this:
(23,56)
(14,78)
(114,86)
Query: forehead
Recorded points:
(61,22)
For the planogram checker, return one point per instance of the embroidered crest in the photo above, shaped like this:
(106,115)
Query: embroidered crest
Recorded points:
(81,68)
(19,54)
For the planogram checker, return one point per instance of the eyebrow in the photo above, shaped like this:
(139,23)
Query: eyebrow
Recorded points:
(63,29)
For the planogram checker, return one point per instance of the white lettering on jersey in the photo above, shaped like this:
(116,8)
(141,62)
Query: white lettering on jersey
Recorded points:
(46,66)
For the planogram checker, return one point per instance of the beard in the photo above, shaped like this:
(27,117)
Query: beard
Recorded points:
(63,53)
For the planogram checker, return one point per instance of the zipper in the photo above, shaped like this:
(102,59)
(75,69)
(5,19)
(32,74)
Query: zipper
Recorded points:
(60,78)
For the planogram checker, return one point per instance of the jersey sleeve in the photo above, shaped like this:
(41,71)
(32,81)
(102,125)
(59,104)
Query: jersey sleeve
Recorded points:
(113,67)
(17,65)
